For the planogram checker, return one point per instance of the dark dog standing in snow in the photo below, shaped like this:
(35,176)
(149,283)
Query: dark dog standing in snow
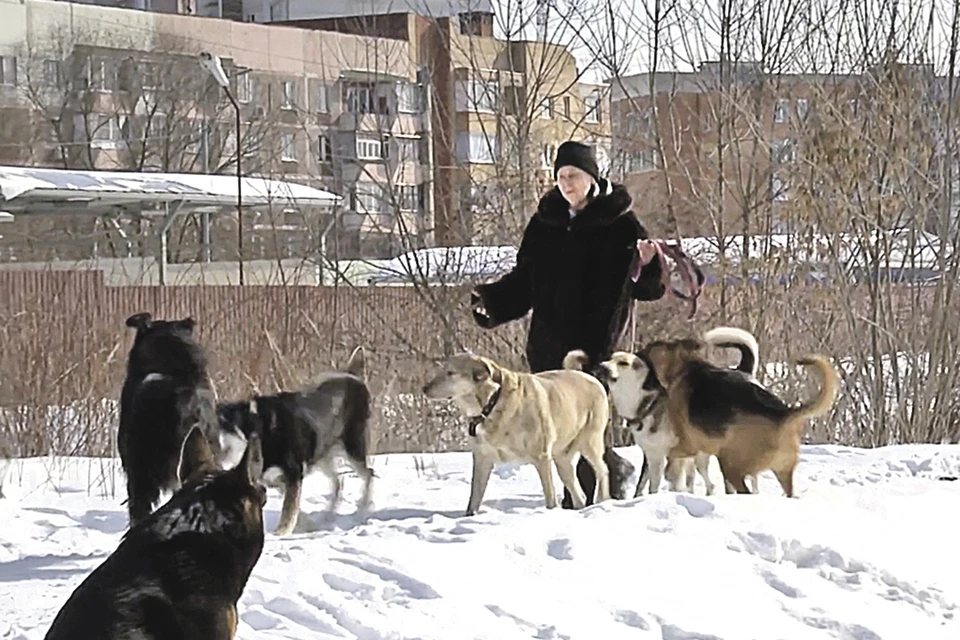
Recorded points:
(305,430)
(165,394)
(180,571)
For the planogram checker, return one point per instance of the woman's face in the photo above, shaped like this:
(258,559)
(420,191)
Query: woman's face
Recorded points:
(574,184)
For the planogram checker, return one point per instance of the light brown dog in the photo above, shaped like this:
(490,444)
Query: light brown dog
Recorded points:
(720,412)
(544,419)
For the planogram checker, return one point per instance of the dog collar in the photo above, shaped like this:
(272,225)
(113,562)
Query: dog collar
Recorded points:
(476,421)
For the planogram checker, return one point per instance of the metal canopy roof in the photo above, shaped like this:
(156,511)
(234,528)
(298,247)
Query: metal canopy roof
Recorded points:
(25,190)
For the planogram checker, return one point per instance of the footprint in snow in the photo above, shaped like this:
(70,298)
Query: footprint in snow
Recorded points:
(560,549)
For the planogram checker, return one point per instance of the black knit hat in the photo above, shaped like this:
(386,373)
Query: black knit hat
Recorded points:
(579,155)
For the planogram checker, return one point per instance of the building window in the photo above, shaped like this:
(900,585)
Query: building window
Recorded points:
(477,148)
(289,151)
(289,94)
(803,105)
(324,150)
(370,148)
(8,71)
(778,189)
(781,111)
(547,156)
(478,96)
(643,160)
(244,87)
(101,75)
(408,98)
(102,131)
(360,98)
(323,99)
(783,151)
(410,197)
(566,107)
(546,108)
(368,198)
(52,74)
(408,149)
(592,105)
(471,24)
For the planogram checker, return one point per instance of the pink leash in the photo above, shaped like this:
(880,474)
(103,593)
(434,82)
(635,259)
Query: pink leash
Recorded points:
(685,266)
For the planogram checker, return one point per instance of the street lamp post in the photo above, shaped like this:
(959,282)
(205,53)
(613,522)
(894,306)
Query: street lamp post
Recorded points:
(214,67)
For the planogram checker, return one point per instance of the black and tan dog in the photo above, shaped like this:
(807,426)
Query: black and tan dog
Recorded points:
(721,412)
(165,394)
(180,571)
(303,431)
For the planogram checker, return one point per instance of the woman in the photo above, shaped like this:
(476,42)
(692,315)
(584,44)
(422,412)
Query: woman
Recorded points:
(573,270)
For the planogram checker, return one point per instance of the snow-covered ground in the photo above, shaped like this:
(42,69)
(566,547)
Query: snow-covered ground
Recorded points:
(867,551)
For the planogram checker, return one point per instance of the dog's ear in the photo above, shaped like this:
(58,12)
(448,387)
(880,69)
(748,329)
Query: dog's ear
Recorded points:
(139,320)
(480,370)
(690,344)
(195,456)
(356,363)
(187,324)
(251,464)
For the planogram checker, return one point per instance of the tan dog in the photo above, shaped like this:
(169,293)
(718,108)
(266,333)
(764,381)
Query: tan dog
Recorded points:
(544,419)
(720,412)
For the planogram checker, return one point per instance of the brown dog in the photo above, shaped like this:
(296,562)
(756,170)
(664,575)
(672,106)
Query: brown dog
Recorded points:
(719,411)
(545,419)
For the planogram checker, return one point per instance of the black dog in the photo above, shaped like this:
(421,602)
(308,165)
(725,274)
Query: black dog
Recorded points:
(165,394)
(621,470)
(180,571)
(303,430)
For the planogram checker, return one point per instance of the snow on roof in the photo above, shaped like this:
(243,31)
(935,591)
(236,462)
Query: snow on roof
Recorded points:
(26,185)
(347,8)
(446,264)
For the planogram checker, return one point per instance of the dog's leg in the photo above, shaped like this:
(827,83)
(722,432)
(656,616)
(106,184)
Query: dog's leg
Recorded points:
(785,477)
(328,465)
(733,477)
(752,482)
(366,474)
(601,471)
(544,467)
(482,468)
(657,463)
(291,506)
(675,473)
(702,461)
(568,476)
(690,473)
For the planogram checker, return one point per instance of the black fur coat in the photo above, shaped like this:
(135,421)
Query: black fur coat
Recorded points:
(573,274)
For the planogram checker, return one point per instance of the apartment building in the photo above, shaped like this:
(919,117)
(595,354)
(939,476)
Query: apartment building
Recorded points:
(724,150)
(498,108)
(92,87)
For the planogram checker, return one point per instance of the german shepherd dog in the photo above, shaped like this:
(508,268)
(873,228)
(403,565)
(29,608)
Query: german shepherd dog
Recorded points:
(305,430)
(721,412)
(179,572)
(165,394)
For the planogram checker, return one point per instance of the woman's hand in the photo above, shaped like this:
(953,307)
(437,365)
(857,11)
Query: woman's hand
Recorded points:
(647,250)
(480,314)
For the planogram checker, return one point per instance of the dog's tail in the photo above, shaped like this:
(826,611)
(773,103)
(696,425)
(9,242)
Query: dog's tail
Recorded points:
(823,402)
(739,339)
(356,365)
(576,360)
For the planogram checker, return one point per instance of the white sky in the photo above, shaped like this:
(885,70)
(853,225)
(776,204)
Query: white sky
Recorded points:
(789,35)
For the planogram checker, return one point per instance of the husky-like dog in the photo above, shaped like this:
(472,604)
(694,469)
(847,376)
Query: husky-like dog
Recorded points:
(303,431)
(165,394)
(178,572)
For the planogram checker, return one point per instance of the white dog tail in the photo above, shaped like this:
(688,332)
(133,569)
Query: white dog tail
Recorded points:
(575,360)
(739,339)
